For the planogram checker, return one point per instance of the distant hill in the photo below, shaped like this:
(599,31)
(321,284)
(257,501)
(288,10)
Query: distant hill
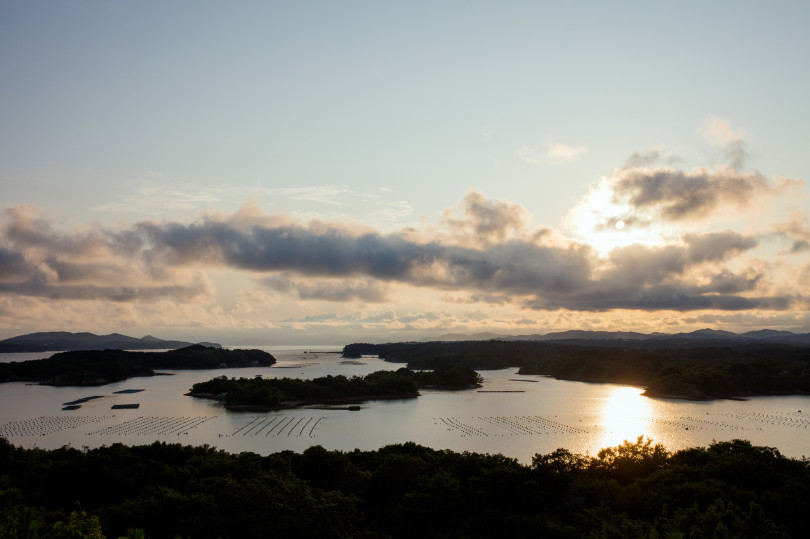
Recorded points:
(701,337)
(581,334)
(463,337)
(63,341)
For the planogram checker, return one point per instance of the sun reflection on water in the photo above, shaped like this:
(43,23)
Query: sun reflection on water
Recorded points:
(624,416)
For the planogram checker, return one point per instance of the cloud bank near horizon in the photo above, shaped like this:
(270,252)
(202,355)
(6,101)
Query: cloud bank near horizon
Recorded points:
(483,248)
(648,237)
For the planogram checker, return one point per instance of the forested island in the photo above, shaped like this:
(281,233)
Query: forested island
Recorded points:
(638,489)
(697,373)
(99,367)
(261,393)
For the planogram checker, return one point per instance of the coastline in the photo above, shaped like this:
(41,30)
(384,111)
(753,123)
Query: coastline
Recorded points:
(288,405)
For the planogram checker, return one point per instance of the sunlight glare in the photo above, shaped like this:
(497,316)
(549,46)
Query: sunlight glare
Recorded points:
(624,416)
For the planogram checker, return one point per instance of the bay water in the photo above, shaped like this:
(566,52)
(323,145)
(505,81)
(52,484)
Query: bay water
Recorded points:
(515,415)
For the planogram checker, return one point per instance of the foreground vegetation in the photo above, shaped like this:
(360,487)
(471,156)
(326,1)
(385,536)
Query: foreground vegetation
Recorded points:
(99,367)
(286,392)
(730,489)
(740,370)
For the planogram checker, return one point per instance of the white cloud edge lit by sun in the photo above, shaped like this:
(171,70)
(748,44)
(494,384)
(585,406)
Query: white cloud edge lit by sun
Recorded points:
(551,152)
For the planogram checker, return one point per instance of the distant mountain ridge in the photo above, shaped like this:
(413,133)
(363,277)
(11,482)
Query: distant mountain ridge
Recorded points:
(633,338)
(50,341)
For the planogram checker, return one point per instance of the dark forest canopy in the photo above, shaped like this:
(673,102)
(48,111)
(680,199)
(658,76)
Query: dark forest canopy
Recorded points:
(290,392)
(98,367)
(729,489)
(740,370)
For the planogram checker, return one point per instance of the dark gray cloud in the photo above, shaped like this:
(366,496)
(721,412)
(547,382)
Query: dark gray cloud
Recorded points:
(726,282)
(150,261)
(481,221)
(800,246)
(637,265)
(676,195)
(716,246)
(13,266)
(663,297)
(106,293)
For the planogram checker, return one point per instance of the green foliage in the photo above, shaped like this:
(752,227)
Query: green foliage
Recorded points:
(630,461)
(636,489)
(79,525)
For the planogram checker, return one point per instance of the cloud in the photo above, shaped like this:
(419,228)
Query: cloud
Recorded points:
(718,133)
(154,198)
(654,156)
(89,264)
(109,293)
(726,282)
(365,290)
(797,230)
(13,266)
(562,153)
(551,153)
(716,246)
(482,250)
(323,194)
(478,221)
(676,195)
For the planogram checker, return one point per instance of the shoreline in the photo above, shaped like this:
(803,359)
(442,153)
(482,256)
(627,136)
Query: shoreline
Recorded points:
(287,405)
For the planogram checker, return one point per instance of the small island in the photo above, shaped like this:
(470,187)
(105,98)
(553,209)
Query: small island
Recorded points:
(278,393)
(100,367)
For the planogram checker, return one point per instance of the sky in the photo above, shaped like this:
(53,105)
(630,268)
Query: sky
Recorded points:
(332,172)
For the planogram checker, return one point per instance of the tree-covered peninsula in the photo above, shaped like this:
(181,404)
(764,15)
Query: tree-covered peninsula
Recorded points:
(734,371)
(99,367)
(291,392)
(636,489)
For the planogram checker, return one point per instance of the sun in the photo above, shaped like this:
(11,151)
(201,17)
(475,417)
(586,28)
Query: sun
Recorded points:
(605,223)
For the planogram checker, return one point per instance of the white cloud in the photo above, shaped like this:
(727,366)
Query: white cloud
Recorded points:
(718,132)
(562,153)
(551,153)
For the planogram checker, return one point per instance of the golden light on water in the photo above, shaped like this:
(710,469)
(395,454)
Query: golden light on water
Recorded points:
(624,416)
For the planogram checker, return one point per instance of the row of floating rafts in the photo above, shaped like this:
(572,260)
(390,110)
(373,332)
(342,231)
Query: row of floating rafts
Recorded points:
(533,425)
(142,426)
(44,425)
(277,426)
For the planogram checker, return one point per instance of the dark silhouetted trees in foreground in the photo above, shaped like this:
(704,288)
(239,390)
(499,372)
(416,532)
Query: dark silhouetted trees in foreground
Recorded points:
(729,489)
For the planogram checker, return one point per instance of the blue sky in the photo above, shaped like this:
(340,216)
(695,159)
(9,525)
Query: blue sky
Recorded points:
(465,134)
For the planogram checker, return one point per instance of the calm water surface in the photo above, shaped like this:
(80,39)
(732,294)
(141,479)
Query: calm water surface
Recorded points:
(512,414)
